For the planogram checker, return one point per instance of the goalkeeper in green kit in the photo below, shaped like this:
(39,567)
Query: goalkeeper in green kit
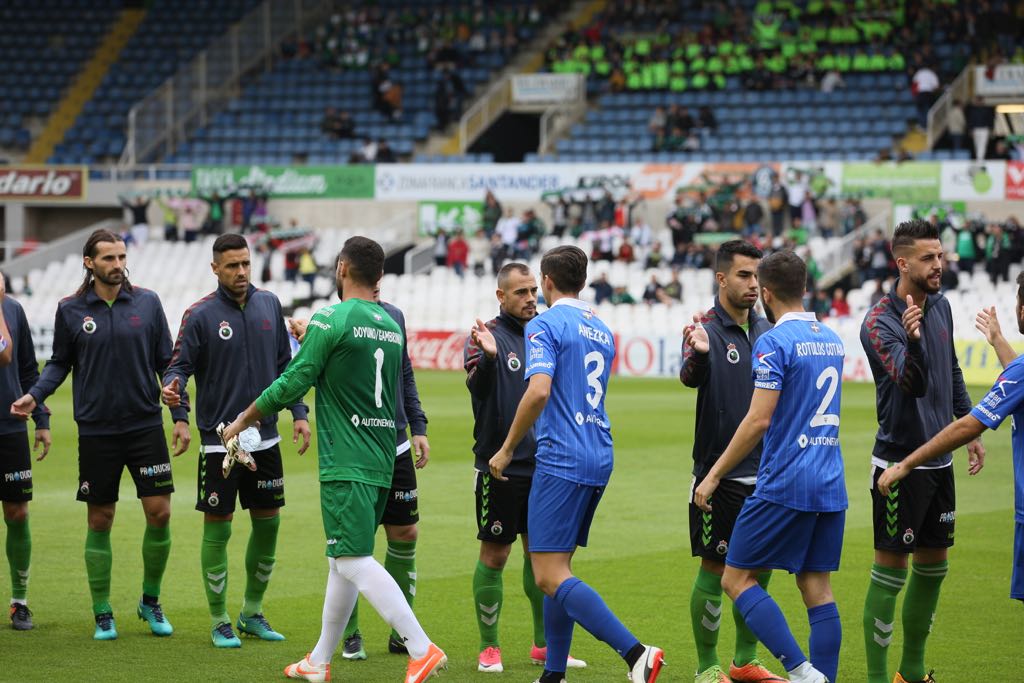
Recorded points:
(352,354)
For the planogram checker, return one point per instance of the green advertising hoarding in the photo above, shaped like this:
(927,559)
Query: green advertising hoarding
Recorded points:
(909,182)
(289,182)
(448,216)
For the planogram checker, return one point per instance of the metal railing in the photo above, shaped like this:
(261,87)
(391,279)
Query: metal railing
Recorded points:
(484,112)
(938,115)
(198,90)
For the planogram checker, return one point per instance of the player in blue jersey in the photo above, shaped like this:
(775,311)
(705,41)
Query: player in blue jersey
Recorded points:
(1004,400)
(794,519)
(570,357)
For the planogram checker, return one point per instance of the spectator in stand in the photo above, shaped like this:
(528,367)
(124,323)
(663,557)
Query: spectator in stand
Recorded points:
(387,93)
(707,119)
(291,265)
(606,209)
(880,290)
(190,215)
(956,123)
(655,258)
(966,250)
(822,305)
(492,214)
(796,194)
(679,256)
(626,252)
(650,295)
(508,228)
(170,217)
(753,217)
(828,218)
(680,222)
(531,229)
(622,296)
(640,233)
(368,152)
(656,124)
(385,155)
(879,249)
(925,87)
(840,307)
(777,201)
(980,119)
(602,289)
(499,252)
(672,292)
(604,241)
(440,247)
(997,254)
(140,222)
(1001,150)
(832,81)
(559,214)
(458,253)
(308,269)
(337,125)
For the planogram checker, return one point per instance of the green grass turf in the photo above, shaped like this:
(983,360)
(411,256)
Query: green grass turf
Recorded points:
(639,560)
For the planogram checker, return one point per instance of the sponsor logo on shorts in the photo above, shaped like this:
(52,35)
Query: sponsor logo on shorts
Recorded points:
(947,517)
(20,475)
(732,354)
(154,470)
(214,500)
(88,324)
(270,483)
(514,364)
(908,536)
(83,488)
(371,422)
(407,496)
(225,332)
(164,483)
(496,529)
(722,548)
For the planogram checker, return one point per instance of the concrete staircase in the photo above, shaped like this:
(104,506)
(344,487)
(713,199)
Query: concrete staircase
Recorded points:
(84,86)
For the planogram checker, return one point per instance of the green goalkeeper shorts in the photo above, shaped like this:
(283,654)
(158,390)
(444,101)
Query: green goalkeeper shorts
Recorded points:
(351,512)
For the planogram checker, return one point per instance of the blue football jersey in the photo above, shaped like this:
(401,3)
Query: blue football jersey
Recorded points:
(801,462)
(569,343)
(1006,400)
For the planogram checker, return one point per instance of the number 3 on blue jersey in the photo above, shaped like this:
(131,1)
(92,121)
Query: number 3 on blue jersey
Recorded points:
(594,377)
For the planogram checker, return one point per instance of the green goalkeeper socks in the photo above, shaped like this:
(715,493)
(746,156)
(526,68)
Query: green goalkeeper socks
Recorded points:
(918,612)
(98,559)
(706,617)
(746,641)
(19,556)
(156,547)
(214,562)
(259,562)
(536,597)
(400,561)
(879,617)
(488,594)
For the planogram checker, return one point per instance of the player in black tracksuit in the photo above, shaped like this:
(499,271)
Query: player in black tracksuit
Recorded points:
(919,389)
(495,360)
(717,350)
(114,338)
(15,458)
(401,512)
(235,342)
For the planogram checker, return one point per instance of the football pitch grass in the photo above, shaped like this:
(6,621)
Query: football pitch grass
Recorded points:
(638,559)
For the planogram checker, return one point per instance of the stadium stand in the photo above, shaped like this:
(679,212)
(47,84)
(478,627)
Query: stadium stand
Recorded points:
(172,32)
(48,40)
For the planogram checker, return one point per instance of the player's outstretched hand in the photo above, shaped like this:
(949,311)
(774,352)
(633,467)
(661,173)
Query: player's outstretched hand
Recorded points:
(702,495)
(912,319)
(483,338)
(889,477)
(975,457)
(696,337)
(499,462)
(181,437)
(301,428)
(297,327)
(422,448)
(987,323)
(171,394)
(44,440)
(23,407)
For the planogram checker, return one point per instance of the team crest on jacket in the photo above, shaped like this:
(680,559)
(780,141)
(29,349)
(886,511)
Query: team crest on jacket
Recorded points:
(513,362)
(731,354)
(88,324)
(225,332)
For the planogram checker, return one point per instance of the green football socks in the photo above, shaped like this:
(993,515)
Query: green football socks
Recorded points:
(214,563)
(536,598)
(19,556)
(706,617)
(259,562)
(400,561)
(879,618)
(98,560)
(918,612)
(746,641)
(488,593)
(156,547)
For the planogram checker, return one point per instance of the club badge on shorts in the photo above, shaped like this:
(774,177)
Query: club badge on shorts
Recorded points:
(225,332)
(731,354)
(513,362)
(88,324)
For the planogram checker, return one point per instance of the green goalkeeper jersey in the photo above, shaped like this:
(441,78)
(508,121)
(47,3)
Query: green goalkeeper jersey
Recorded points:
(352,354)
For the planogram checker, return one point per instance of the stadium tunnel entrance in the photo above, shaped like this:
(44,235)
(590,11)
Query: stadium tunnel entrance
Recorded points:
(510,138)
